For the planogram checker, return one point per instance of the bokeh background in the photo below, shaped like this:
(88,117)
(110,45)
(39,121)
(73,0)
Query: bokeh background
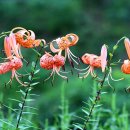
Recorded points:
(95,22)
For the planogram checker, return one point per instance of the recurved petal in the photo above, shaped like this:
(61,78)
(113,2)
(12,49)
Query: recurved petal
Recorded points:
(32,34)
(7,47)
(127,46)
(13,44)
(103,57)
(54,50)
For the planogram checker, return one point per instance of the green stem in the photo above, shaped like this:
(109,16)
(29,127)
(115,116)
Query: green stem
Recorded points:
(96,100)
(22,108)
(100,89)
(27,92)
(4,33)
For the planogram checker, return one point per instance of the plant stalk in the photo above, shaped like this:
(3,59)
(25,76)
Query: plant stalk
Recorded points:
(27,91)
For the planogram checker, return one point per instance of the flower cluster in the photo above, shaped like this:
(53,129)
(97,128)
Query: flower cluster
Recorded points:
(54,60)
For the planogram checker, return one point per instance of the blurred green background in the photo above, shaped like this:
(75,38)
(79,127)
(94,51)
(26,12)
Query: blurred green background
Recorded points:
(95,22)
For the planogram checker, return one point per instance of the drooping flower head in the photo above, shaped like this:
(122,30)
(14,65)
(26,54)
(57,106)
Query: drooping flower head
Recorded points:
(54,63)
(26,38)
(63,44)
(21,37)
(13,58)
(126,65)
(11,47)
(95,61)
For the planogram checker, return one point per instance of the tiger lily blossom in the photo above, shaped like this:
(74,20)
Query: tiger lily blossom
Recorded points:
(54,63)
(126,65)
(26,38)
(63,44)
(13,62)
(95,61)
(11,47)
(21,37)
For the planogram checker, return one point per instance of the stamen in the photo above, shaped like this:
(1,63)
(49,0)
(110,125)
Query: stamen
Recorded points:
(53,72)
(92,72)
(64,77)
(71,53)
(107,79)
(71,62)
(82,69)
(16,76)
(22,74)
(71,57)
(63,67)
(65,72)
(86,73)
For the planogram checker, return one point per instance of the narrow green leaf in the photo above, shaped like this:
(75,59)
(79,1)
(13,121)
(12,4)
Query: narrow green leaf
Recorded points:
(79,127)
(91,99)
(36,71)
(20,104)
(103,92)
(85,112)
(30,77)
(98,105)
(30,100)
(30,113)
(33,64)
(8,123)
(30,107)
(23,93)
(33,84)
(15,100)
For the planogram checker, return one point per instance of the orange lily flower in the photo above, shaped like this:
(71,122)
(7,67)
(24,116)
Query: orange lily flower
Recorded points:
(11,47)
(95,61)
(126,65)
(14,62)
(64,43)
(26,38)
(54,63)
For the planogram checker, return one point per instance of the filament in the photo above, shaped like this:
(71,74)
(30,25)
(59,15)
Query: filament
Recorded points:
(109,82)
(82,69)
(20,75)
(92,72)
(86,73)
(65,72)
(71,53)
(53,72)
(64,77)
(71,58)
(16,76)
